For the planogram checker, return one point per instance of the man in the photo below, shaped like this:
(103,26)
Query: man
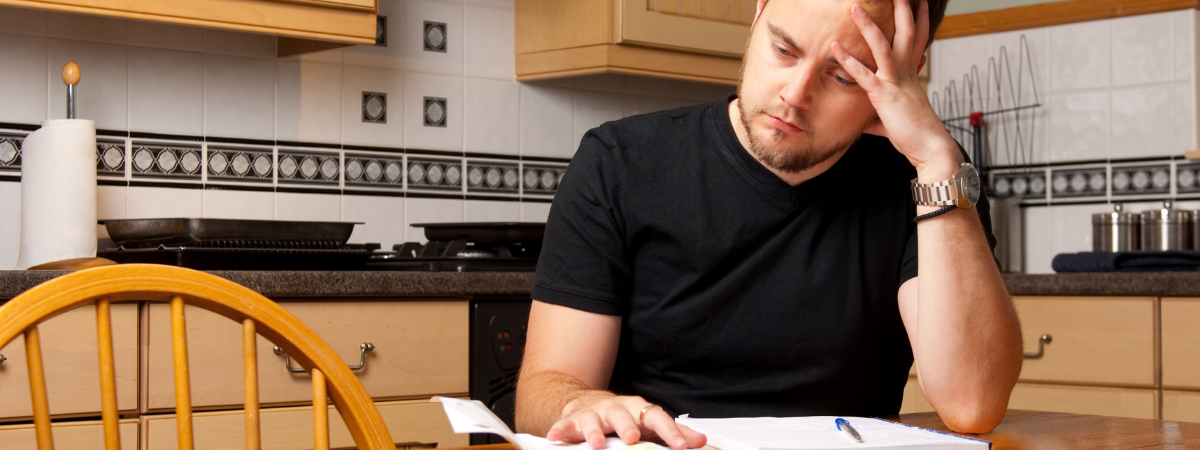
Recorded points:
(758,256)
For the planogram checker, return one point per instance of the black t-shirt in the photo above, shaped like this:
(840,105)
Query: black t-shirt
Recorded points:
(741,296)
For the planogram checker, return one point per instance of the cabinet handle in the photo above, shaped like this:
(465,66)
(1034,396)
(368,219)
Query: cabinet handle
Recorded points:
(1045,339)
(3,358)
(362,357)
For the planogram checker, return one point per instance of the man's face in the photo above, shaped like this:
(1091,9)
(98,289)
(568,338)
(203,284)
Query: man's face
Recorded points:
(798,106)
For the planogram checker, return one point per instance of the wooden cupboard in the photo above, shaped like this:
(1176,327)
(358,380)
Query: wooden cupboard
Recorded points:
(699,40)
(86,434)
(305,25)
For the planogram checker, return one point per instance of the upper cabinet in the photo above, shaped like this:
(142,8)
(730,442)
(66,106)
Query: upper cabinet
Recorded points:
(307,25)
(699,40)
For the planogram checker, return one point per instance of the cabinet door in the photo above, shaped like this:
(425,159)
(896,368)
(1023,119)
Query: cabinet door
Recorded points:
(1181,342)
(715,27)
(1181,406)
(412,424)
(1096,340)
(71,361)
(69,435)
(1102,401)
(420,350)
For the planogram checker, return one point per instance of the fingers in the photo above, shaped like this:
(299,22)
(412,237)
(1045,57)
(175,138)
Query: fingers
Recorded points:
(880,47)
(922,37)
(622,422)
(861,73)
(694,438)
(665,427)
(902,45)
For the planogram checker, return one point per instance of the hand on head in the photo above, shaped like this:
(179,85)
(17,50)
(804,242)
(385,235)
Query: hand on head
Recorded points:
(632,418)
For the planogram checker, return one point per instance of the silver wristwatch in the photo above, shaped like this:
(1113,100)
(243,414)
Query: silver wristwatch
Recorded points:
(961,190)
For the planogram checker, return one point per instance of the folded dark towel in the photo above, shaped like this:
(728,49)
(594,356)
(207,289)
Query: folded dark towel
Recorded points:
(1148,261)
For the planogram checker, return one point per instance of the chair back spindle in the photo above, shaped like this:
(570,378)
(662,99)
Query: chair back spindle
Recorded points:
(320,411)
(250,366)
(183,385)
(37,389)
(108,376)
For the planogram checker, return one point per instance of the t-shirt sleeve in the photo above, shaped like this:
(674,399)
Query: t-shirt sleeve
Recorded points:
(584,262)
(908,268)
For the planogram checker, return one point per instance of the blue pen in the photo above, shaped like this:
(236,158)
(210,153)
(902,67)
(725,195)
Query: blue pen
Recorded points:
(843,425)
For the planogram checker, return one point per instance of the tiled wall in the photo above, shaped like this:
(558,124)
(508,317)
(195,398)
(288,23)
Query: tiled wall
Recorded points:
(207,123)
(1115,118)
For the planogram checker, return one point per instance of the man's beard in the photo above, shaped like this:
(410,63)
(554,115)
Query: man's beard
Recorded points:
(790,160)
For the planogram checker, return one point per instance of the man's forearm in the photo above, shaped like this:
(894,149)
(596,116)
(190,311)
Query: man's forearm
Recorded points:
(545,397)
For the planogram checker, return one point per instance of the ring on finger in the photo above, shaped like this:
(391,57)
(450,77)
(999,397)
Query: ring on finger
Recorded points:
(642,415)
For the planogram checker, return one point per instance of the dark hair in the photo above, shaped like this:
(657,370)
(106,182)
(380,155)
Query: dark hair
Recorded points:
(937,12)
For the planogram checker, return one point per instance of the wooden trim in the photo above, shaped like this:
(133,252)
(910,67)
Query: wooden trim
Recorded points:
(1049,14)
(609,58)
(640,26)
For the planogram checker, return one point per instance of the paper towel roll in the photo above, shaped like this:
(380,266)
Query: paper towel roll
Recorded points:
(58,193)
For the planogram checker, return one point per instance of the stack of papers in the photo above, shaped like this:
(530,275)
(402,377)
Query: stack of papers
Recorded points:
(763,433)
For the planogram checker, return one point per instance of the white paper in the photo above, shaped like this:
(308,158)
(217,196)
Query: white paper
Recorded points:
(472,416)
(821,433)
(58,193)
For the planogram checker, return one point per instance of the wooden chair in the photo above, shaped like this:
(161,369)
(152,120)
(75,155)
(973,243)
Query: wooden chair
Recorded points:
(257,314)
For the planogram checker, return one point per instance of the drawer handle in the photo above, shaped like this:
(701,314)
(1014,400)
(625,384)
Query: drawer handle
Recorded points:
(3,358)
(362,357)
(1045,339)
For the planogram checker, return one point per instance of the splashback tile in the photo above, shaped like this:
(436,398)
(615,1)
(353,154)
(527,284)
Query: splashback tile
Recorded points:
(1142,122)
(101,95)
(534,211)
(1037,42)
(382,219)
(489,43)
(429,210)
(10,151)
(239,97)
(166,36)
(181,161)
(1079,182)
(308,101)
(237,43)
(111,158)
(242,164)
(546,121)
(308,207)
(391,56)
(10,224)
(492,211)
(1185,128)
(23,92)
(1141,180)
(446,41)
(953,58)
(497,3)
(374,171)
(158,202)
(309,168)
(1079,126)
(493,177)
(1141,46)
(89,28)
(443,175)
(593,109)
(433,112)
(356,81)
(25,21)
(491,116)
(642,104)
(1182,49)
(112,202)
(1080,52)
(541,180)
(1040,247)
(228,204)
(167,91)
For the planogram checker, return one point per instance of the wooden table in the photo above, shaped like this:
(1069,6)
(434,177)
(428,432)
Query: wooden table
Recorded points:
(1037,430)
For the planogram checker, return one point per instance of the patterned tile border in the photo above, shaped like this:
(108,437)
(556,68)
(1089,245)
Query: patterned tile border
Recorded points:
(166,160)
(1141,180)
(308,167)
(110,157)
(493,177)
(10,151)
(254,165)
(1074,183)
(541,178)
(435,174)
(374,171)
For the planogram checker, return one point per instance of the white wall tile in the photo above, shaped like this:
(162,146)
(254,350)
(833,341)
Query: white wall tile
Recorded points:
(1080,56)
(101,95)
(1185,124)
(1142,121)
(355,81)
(1182,49)
(412,37)
(1037,41)
(382,217)
(10,224)
(166,91)
(489,43)
(165,35)
(391,56)
(308,207)
(418,86)
(493,211)
(89,28)
(496,3)
(1019,137)
(334,56)
(953,58)
(25,21)
(534,211)
(491,116)
(1079,126)
(693,92)
(23,91)
(237,43)
(1039,243)
(157,203)
(221,204)
(308,101)
(1073,226)
(112,202)
(239,97)
(641,104)
(546,121)
(1141,49)
(593,109)
(429,210)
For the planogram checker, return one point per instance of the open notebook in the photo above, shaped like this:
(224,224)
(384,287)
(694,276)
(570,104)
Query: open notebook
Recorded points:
(766,433)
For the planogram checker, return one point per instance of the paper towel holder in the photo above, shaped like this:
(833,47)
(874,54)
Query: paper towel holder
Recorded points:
(70,76)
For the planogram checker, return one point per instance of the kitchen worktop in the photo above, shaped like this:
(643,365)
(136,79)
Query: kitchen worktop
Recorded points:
(278,284)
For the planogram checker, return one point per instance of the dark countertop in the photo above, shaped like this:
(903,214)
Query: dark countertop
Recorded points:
(278,284)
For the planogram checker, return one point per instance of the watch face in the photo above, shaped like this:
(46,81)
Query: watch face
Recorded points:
(969,180)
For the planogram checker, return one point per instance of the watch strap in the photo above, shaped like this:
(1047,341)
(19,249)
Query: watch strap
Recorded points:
(941,193)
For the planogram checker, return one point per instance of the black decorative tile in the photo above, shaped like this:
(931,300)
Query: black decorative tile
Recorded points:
(159,160)
(435,112)
(308,167)
(240,164)
(381,31)
(10,151)
(493,177)
(435,174)
(1090,182)
(434,37)
(1139,180)
(110,157)
(374,171)
(542,179)
(1024,185)
(1187,178)
(374,107)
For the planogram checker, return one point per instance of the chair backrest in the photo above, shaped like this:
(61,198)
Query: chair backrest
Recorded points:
(258,315)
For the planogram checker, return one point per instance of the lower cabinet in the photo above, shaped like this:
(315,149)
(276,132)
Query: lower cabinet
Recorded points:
(1136,403)
(1181,406)
(413,424)
(72,435)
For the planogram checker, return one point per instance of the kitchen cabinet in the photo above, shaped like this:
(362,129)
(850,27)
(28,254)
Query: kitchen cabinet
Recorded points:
(303,25)
(699,40)
(1183,406)
(1181,343)
(86,434)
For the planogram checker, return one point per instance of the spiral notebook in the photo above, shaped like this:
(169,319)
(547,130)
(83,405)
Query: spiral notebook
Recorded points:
(821,433)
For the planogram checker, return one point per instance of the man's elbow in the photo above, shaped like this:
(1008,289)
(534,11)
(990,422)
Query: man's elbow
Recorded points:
(976,416)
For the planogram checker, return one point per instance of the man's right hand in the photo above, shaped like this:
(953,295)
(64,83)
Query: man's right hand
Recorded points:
(596,414)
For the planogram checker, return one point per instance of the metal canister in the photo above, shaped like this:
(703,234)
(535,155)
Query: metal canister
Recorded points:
(1116,231)
(1167,228)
